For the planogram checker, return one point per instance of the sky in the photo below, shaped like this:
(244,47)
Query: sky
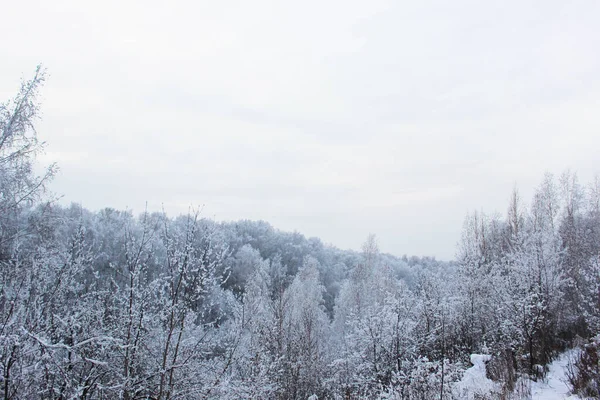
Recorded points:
(332,118)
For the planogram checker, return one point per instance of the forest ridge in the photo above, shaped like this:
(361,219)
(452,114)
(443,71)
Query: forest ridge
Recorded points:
(98,305)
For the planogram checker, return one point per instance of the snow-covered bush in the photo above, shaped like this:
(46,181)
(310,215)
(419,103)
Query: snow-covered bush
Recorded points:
(584,373)
(427,380)
(475,385)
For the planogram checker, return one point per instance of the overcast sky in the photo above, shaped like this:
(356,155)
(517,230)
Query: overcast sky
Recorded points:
(333,118)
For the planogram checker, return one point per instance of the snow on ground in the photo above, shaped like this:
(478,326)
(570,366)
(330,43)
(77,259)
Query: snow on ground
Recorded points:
(474,383)
(555,386)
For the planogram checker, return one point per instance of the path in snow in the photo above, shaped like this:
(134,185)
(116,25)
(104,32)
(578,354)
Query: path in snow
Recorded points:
(555,385)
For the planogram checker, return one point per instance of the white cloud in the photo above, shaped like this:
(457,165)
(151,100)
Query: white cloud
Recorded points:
(334,118)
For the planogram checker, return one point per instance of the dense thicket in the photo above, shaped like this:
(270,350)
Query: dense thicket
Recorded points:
(111,305)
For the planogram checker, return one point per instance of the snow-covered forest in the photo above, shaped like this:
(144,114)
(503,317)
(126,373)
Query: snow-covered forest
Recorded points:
(112,305)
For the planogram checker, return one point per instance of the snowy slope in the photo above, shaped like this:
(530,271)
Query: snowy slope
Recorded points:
(555,386)
(475,384)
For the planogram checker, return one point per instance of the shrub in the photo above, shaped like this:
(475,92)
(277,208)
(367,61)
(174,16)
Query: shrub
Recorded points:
(584,373)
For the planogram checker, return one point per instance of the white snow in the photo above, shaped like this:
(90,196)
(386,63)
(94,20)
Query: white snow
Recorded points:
(474,383)
(555,386)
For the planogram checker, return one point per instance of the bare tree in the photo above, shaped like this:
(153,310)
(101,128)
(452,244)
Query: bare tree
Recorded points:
(20,187)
